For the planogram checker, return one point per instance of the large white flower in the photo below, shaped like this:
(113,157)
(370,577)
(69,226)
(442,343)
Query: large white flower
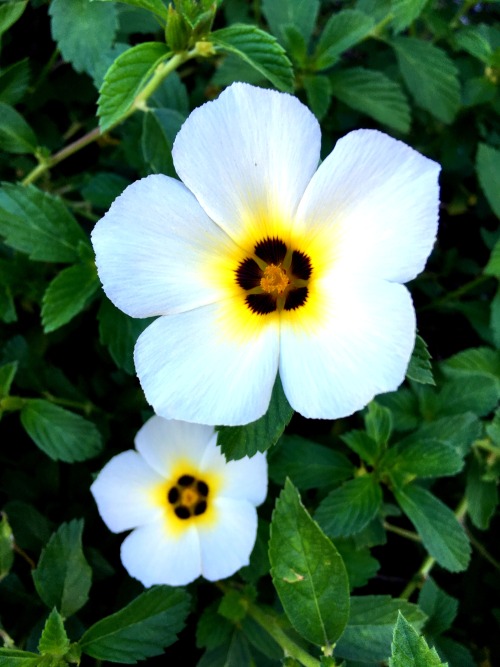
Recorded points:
(191,512)
(262,262)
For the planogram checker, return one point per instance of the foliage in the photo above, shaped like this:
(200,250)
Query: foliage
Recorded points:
(360,511)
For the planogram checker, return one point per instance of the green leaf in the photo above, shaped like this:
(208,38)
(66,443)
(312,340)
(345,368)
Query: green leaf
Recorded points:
(16,136)
(63,576)
(475,393)
(441,608)
(11,657)
(307,571)
(481,494)
(319,94)
(258,436)
(473,361)
(416,457)
(374,94)
(351,507)
(308,464)
(140,630)
(458,431)
(54,640)
(159,129)
(258,49)
(481,41)
(343,30)
(368,634)
(361,443)
(119,333)
(155,6)
(420,368)
(14,81)
(495,318)
(442,535)
(410,650)
(83,30)
(7,374)
(359,563)
(378,423)
(125,78)
(6,546)
(430,76)
(103,188)
(61,434)
(68,294)
(405,12)
(38,224)
(299,13)
(10,12)
(488,173)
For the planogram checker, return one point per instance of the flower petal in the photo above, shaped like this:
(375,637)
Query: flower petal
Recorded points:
(245,479)
(356,345)
(376,199)
(248,157)
(212,365)
(124,492)
(153,556)
(226,546)
(163,442)
(152,248)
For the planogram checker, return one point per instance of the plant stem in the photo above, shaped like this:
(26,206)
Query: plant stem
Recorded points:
(487,446)
(409,534)
(161,72)
(272,627)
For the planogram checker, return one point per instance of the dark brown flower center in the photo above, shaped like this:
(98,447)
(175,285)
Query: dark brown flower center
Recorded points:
(188,497)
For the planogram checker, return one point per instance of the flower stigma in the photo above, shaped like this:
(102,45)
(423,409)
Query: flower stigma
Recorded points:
(274,279)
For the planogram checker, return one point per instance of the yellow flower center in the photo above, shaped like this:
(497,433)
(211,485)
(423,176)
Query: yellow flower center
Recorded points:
(274,280)
(188,497)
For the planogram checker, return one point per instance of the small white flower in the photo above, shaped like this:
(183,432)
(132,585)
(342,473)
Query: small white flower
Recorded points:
(262,262)
(191,512)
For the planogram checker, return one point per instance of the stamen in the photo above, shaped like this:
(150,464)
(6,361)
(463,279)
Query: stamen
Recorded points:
(275,280)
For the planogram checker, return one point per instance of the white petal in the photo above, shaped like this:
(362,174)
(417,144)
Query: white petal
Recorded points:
(379,199)
(124,492)
(152,247)
(212,365)
(246,479)
(154,556)
(163,442)
(354,344)
(248,156)
(226,546)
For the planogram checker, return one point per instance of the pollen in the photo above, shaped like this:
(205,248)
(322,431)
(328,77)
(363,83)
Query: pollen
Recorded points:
(274,280)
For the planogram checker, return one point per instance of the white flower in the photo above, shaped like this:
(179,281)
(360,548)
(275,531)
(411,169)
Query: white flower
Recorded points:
(260,261)
(191,512)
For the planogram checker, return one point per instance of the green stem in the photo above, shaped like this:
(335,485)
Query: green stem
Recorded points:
(483,551)
(161,72)
(487,446)
(87,407)
(8,642)
(410,535)
(12,403)
(272,627)
(462,11)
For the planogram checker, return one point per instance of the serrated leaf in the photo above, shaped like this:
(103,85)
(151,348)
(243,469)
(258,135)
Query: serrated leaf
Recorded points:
(358,561)
(103,188)
(159,129)
(11,657)
(481,494)
(16,136)
(14,81)
(155,6)
(405,12)
(125,78)
(10,12)
(458,431)
(258,436)
(473,361)
(378,423)
(481,41)
(307,571)
(97,25)
(430,75)
(368,635)
(308,464)
(38,224)
(319,94)
(476,393)
(61,434)
(361,443)
(119,333)
(442,535)
(488,173)
(68,294)
(63,576)
(417,457)
(374,94)
(410,650)
(140,630)
(7,374)
(260,50)
(441,608)
(299,13)
(6,546)
(348,509)
(54,640)
(420,368)
(343,30)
